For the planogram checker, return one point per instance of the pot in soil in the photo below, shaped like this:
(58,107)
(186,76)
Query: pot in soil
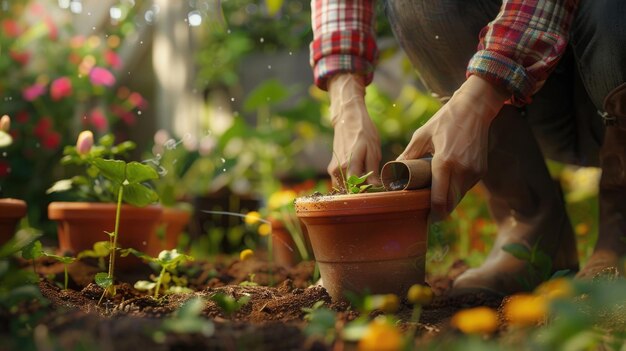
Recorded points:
(284,249)
(81,224)
(173,222)
(368,243)
(11,211)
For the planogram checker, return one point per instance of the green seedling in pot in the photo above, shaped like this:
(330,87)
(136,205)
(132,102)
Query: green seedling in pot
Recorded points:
(228,304)
(168,260)
(354,184)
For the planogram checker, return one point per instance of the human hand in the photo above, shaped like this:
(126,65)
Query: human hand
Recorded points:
(356,145)
(457,137)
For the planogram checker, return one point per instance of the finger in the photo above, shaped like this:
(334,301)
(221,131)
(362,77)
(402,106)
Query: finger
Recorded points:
(372,163)
(335,175)
(356,164)
(439,190)
(420,145)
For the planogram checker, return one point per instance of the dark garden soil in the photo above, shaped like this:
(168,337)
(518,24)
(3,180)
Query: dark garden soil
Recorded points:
(272,320)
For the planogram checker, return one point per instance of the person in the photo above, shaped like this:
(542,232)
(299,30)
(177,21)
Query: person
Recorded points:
(520,79)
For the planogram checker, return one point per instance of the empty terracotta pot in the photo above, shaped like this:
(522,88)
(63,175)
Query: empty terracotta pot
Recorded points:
(11,211)
(368,243)
(81,224)
(173,222)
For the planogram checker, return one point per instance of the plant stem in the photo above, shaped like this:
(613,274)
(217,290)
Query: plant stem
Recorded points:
(66,277)
(120,194)
(158,284)
(296,233)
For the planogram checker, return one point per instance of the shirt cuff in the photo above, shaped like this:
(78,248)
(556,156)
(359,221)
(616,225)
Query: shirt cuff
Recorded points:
(330,65)
(504,72)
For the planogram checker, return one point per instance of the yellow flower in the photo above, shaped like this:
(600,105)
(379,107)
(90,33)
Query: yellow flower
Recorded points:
(555,289)
(252,217)
(388,303)
(479,320)
(420,294)
(281,198)
(246,254)
(525,309)
(265,229)
(380,336)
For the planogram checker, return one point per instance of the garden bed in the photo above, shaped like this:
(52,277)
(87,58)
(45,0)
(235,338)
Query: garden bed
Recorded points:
(273,319)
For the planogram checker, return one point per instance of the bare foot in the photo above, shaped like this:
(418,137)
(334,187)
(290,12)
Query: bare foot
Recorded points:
(602,263)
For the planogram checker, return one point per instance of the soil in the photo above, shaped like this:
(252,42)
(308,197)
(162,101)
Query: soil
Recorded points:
(273,319)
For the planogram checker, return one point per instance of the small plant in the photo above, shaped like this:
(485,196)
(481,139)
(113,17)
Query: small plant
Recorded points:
(105,180)
(66,260)
(34,250)
(354,184)
(187,319)
(321,320)
(101,249)
(228,304)
(167,260)
(538,263)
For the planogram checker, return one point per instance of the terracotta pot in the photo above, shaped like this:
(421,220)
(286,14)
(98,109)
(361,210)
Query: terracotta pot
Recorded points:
(284,248)
(173,222)
(11,211)
(81,224)
(373,242)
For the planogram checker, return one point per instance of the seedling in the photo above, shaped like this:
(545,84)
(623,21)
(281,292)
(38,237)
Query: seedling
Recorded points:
(354,184)
(539,264)
(321,320)
(168,260)
(187,319)
(101,249)
(228,304)
(66,261)
(33,251)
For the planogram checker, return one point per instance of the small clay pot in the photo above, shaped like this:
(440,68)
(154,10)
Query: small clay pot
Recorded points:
(284,248)
(81,224)
(368,243)
(173,222)
(11,211)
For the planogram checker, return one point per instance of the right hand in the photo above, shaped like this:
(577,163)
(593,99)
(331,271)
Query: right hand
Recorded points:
(356,145)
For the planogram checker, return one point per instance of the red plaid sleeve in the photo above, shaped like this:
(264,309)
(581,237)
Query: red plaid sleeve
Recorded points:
(343,39)
(519,49)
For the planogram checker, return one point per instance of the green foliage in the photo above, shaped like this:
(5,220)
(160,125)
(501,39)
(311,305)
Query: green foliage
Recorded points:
(167,260)
(321,322)
(187,319)
(539,264)
(228,304)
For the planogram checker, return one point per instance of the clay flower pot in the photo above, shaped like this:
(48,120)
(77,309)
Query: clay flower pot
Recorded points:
(81,224)
(285,250)
(372,242)
(11,211)
(173,222)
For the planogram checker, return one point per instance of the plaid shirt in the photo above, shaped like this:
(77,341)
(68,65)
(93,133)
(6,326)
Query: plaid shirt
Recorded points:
(517,50)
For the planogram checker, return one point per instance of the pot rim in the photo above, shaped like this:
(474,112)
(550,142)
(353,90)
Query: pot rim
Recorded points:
(365,203)
(12,208)
(89,210)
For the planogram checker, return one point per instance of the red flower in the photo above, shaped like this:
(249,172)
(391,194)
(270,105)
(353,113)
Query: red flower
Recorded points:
(101,76)
(22,117)
(53,31)
(113,59)
(42,127)
(60,88)
(51,141)
(129,118)
(136,100)
(20,57)
(10,28)
(34,91)
(5,168)
(98,120)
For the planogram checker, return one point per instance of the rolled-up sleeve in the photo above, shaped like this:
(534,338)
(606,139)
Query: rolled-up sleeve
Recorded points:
(343,39)
(521,47)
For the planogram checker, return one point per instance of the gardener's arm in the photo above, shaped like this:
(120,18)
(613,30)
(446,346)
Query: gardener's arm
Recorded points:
(343,55)
(517,52)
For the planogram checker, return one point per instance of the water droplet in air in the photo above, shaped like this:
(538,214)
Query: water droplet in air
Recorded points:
(269,66)
(290,53)
(394,105)
(195,18)
(262,40)
(232,99)
(139,113)
(141,42)
(4,154)
(115,12)
(223,160)
(436,37)
(223,169)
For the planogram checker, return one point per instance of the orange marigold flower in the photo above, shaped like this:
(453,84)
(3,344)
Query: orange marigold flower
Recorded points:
(525,309)
(265,229)
(479,320)
(380,335)
(555,289)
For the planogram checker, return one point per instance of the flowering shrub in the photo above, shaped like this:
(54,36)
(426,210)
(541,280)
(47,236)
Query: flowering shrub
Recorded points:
(54,82)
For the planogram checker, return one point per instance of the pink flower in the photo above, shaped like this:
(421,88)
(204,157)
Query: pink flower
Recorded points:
(60,88)
(98,120)
(5,123)
(53,31)
(136,100)
(113,59)
(51,141)
(101,76)
(84,142)
(34,91)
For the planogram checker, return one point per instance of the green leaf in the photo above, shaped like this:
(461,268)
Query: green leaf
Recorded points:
(32,251)
(139,195)
(137,172)
(518,251)
(171,258)
(62,259)
(103,280)
(20,240)
(143,256)
(100,249)
(123,148)
(268,93)
(60,186)
(114,170)
(144,285)
(5,139)
(107,140)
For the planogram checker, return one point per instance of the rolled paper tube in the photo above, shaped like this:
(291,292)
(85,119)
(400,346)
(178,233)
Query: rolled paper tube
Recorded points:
(406,174)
